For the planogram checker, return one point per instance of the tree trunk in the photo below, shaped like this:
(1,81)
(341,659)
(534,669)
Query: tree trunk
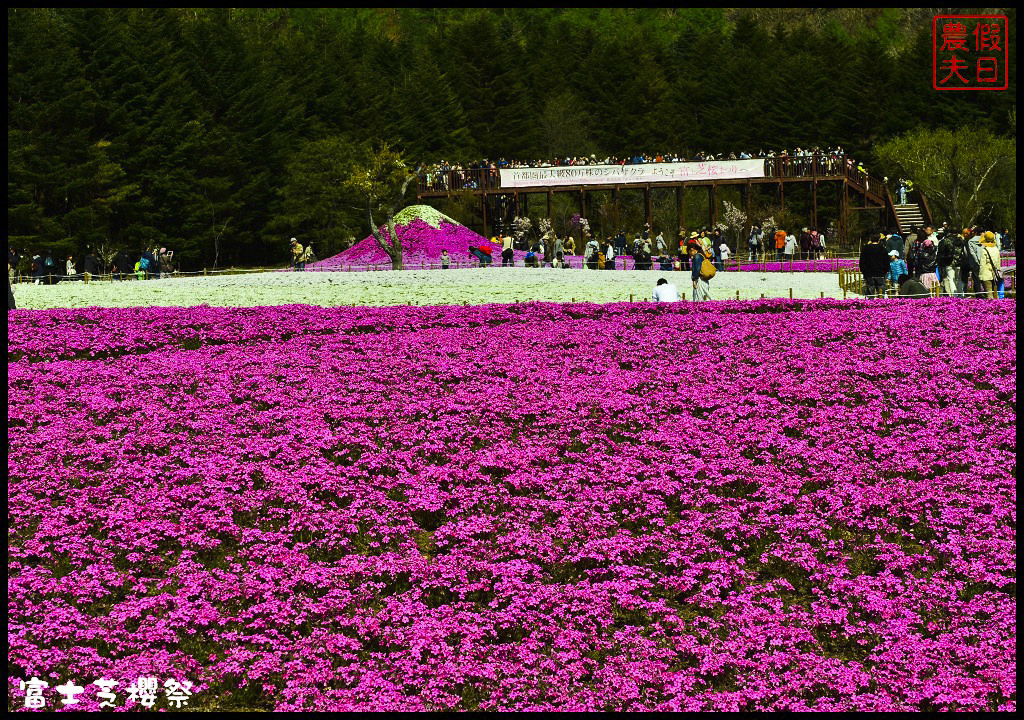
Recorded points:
(395,248)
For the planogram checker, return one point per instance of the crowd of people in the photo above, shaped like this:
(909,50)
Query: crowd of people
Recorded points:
(964,263)
(446,175)
(648,249)
(43,269)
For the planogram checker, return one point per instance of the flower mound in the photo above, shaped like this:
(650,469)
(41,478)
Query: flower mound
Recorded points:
(761,505)
(425,233)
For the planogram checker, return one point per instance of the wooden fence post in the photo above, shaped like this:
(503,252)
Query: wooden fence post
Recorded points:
(737,294)
(791,293)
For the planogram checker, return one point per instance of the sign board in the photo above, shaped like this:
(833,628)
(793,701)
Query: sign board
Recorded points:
(622,174)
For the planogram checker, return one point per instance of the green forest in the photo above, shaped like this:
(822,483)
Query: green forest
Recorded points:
(202,130)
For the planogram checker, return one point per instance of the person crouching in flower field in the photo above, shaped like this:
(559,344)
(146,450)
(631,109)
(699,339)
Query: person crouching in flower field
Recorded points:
(665,291)
(570,245)
(482,253)
(298,264)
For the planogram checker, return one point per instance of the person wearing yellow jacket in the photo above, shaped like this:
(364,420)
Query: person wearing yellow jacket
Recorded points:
(989,261)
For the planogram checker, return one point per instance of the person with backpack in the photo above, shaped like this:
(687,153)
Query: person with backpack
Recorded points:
(805,244)
(925,263)
(815,243)
(609,255)
(49,268)
(754,242)
(990,273)
(701,274)
(590,252)
(297,250)
(948,258)
(148,264)
(970,267)
(895,242)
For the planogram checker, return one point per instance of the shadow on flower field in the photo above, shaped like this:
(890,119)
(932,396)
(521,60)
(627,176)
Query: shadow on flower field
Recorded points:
(759,505)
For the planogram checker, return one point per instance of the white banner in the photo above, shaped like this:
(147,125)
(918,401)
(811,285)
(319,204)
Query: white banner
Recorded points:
(622,174)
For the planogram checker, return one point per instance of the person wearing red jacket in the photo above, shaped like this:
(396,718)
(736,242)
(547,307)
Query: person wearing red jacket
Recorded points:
(482,253)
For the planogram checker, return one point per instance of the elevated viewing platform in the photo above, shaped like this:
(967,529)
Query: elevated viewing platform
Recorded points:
(500,189)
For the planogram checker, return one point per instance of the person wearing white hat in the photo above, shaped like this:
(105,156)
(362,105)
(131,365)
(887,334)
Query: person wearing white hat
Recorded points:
(897,267)
(297,253)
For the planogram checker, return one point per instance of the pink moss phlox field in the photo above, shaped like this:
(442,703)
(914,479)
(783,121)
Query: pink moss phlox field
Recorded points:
(765,505)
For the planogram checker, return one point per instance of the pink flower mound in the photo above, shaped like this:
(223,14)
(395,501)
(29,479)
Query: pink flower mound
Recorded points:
(763,506)
(421,243)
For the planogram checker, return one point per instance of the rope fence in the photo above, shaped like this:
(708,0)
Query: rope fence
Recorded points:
(851,280)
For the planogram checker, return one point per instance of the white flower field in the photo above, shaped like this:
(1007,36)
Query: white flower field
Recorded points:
(418,287)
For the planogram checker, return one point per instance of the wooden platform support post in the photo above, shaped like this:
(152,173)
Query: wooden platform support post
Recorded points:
(679,208)
(682,206)
(483,200)
(714,204)
(648,207)
(814,204)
